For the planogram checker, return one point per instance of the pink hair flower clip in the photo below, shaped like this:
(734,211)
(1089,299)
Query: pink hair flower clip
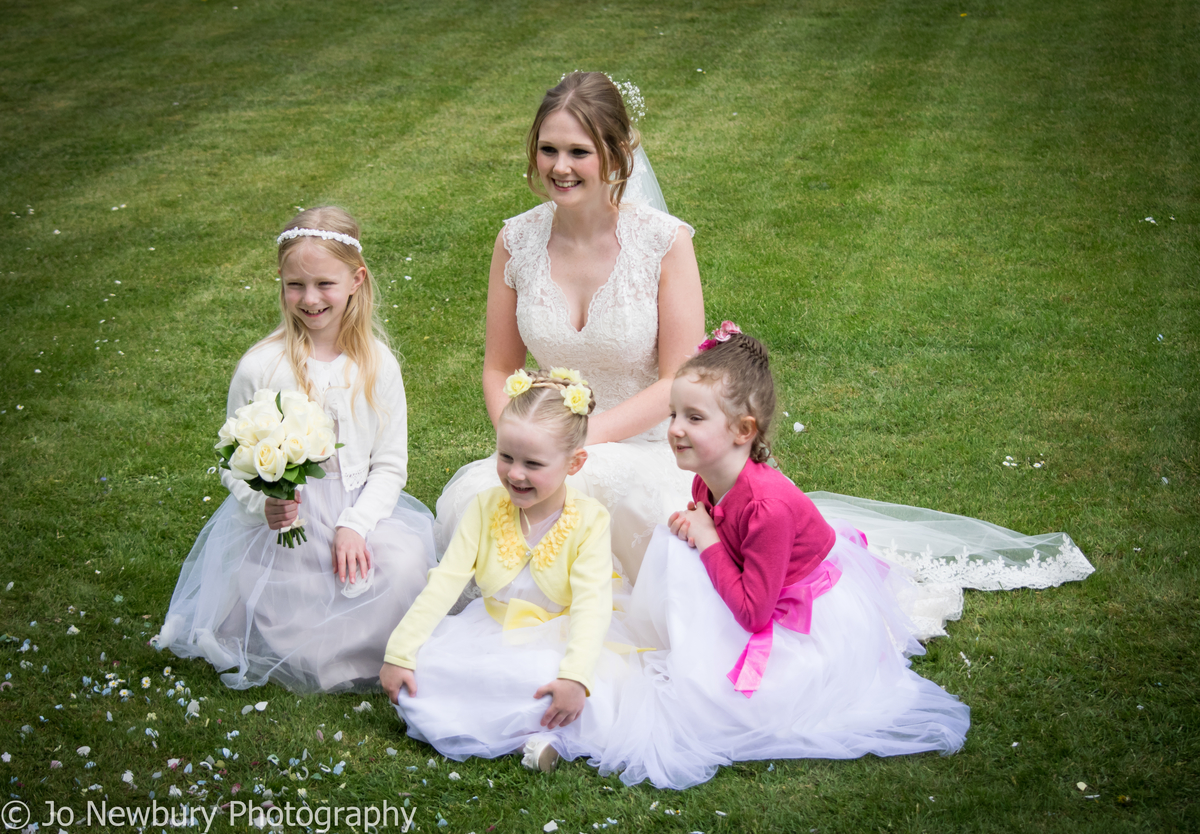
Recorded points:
(721,334)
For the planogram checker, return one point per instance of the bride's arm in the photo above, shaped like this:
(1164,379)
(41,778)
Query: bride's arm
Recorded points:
(503,350)
(680,329)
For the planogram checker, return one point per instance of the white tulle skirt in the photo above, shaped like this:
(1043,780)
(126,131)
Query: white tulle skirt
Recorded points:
(839,692)
(636,480)
(269,612)
(476,682)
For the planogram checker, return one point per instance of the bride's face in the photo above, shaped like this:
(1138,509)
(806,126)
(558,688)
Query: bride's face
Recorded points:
(568,163)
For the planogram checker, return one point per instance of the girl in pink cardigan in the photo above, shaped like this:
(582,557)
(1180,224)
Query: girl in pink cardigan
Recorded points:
(777,635)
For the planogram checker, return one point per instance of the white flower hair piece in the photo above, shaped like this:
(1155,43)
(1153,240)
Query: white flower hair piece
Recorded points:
(635,105)
(321,233)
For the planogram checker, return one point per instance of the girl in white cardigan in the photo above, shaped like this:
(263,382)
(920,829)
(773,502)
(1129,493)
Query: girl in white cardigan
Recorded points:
(317,617)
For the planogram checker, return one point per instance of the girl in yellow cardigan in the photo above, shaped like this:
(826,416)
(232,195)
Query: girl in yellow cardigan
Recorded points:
(526,667)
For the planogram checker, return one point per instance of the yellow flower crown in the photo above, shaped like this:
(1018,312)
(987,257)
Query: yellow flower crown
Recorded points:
(576,396)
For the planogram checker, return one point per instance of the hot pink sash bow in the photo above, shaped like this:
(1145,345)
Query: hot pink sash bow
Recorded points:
(793,611)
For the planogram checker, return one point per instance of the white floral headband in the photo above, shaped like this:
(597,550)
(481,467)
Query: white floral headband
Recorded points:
(321,233)
(576,396)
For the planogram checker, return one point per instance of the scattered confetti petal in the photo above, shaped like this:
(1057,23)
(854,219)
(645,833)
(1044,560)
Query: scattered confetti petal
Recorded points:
(550,826)
(73,629)
(260,706)
(797,427)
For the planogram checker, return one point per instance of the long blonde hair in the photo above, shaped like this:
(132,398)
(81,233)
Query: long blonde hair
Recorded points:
(360,326)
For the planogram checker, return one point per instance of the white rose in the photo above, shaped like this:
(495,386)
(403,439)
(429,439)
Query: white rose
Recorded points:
(321,444)
(295,449)
(318,417)
(299,423)
(241,465)
(291,402)
(269,461)
(263,395)
(266,420)
(225,435)
(243,430)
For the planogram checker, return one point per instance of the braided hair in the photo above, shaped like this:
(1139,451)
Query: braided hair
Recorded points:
(742,368)
(543,402)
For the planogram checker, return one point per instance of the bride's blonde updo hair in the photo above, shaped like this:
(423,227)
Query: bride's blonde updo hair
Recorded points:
(593,99)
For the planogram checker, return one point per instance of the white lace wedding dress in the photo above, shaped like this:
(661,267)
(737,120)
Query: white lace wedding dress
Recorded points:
(617,352)
(637,479)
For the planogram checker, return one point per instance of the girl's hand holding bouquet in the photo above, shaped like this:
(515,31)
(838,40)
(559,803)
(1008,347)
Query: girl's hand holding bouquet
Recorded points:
(274,444)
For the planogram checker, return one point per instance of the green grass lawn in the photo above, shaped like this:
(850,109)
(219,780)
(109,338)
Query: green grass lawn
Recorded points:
(937,215)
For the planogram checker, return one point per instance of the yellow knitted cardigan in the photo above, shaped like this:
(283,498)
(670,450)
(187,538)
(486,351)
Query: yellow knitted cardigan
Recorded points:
(572,565)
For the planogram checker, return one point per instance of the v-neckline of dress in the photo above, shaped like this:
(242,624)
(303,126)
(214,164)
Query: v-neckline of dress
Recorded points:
(566,307)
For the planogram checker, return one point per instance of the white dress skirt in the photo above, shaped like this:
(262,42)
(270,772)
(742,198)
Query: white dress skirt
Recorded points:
(476,681)
(839,692)
(268,612)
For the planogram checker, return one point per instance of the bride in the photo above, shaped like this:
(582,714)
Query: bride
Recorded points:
(594,279)
(598,279)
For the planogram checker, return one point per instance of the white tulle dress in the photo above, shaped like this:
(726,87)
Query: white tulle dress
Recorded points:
(476,681)
(617,352)
(268,612)
(841,691)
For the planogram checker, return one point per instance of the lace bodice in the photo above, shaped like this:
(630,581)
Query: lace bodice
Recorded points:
(617,349)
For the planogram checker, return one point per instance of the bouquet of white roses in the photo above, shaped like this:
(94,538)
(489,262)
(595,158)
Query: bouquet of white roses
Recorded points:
(274,443)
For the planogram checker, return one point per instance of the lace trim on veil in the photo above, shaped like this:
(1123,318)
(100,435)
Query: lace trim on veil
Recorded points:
(946,549)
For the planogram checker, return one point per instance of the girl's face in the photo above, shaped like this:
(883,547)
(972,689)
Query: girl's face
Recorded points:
(699,432)
(317,287)
(568,163)
(533,466)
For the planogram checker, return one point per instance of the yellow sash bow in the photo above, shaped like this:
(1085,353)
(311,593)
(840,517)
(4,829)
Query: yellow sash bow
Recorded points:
(519,613)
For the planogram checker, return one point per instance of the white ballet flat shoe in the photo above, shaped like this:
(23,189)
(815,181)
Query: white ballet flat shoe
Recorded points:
(540,755)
